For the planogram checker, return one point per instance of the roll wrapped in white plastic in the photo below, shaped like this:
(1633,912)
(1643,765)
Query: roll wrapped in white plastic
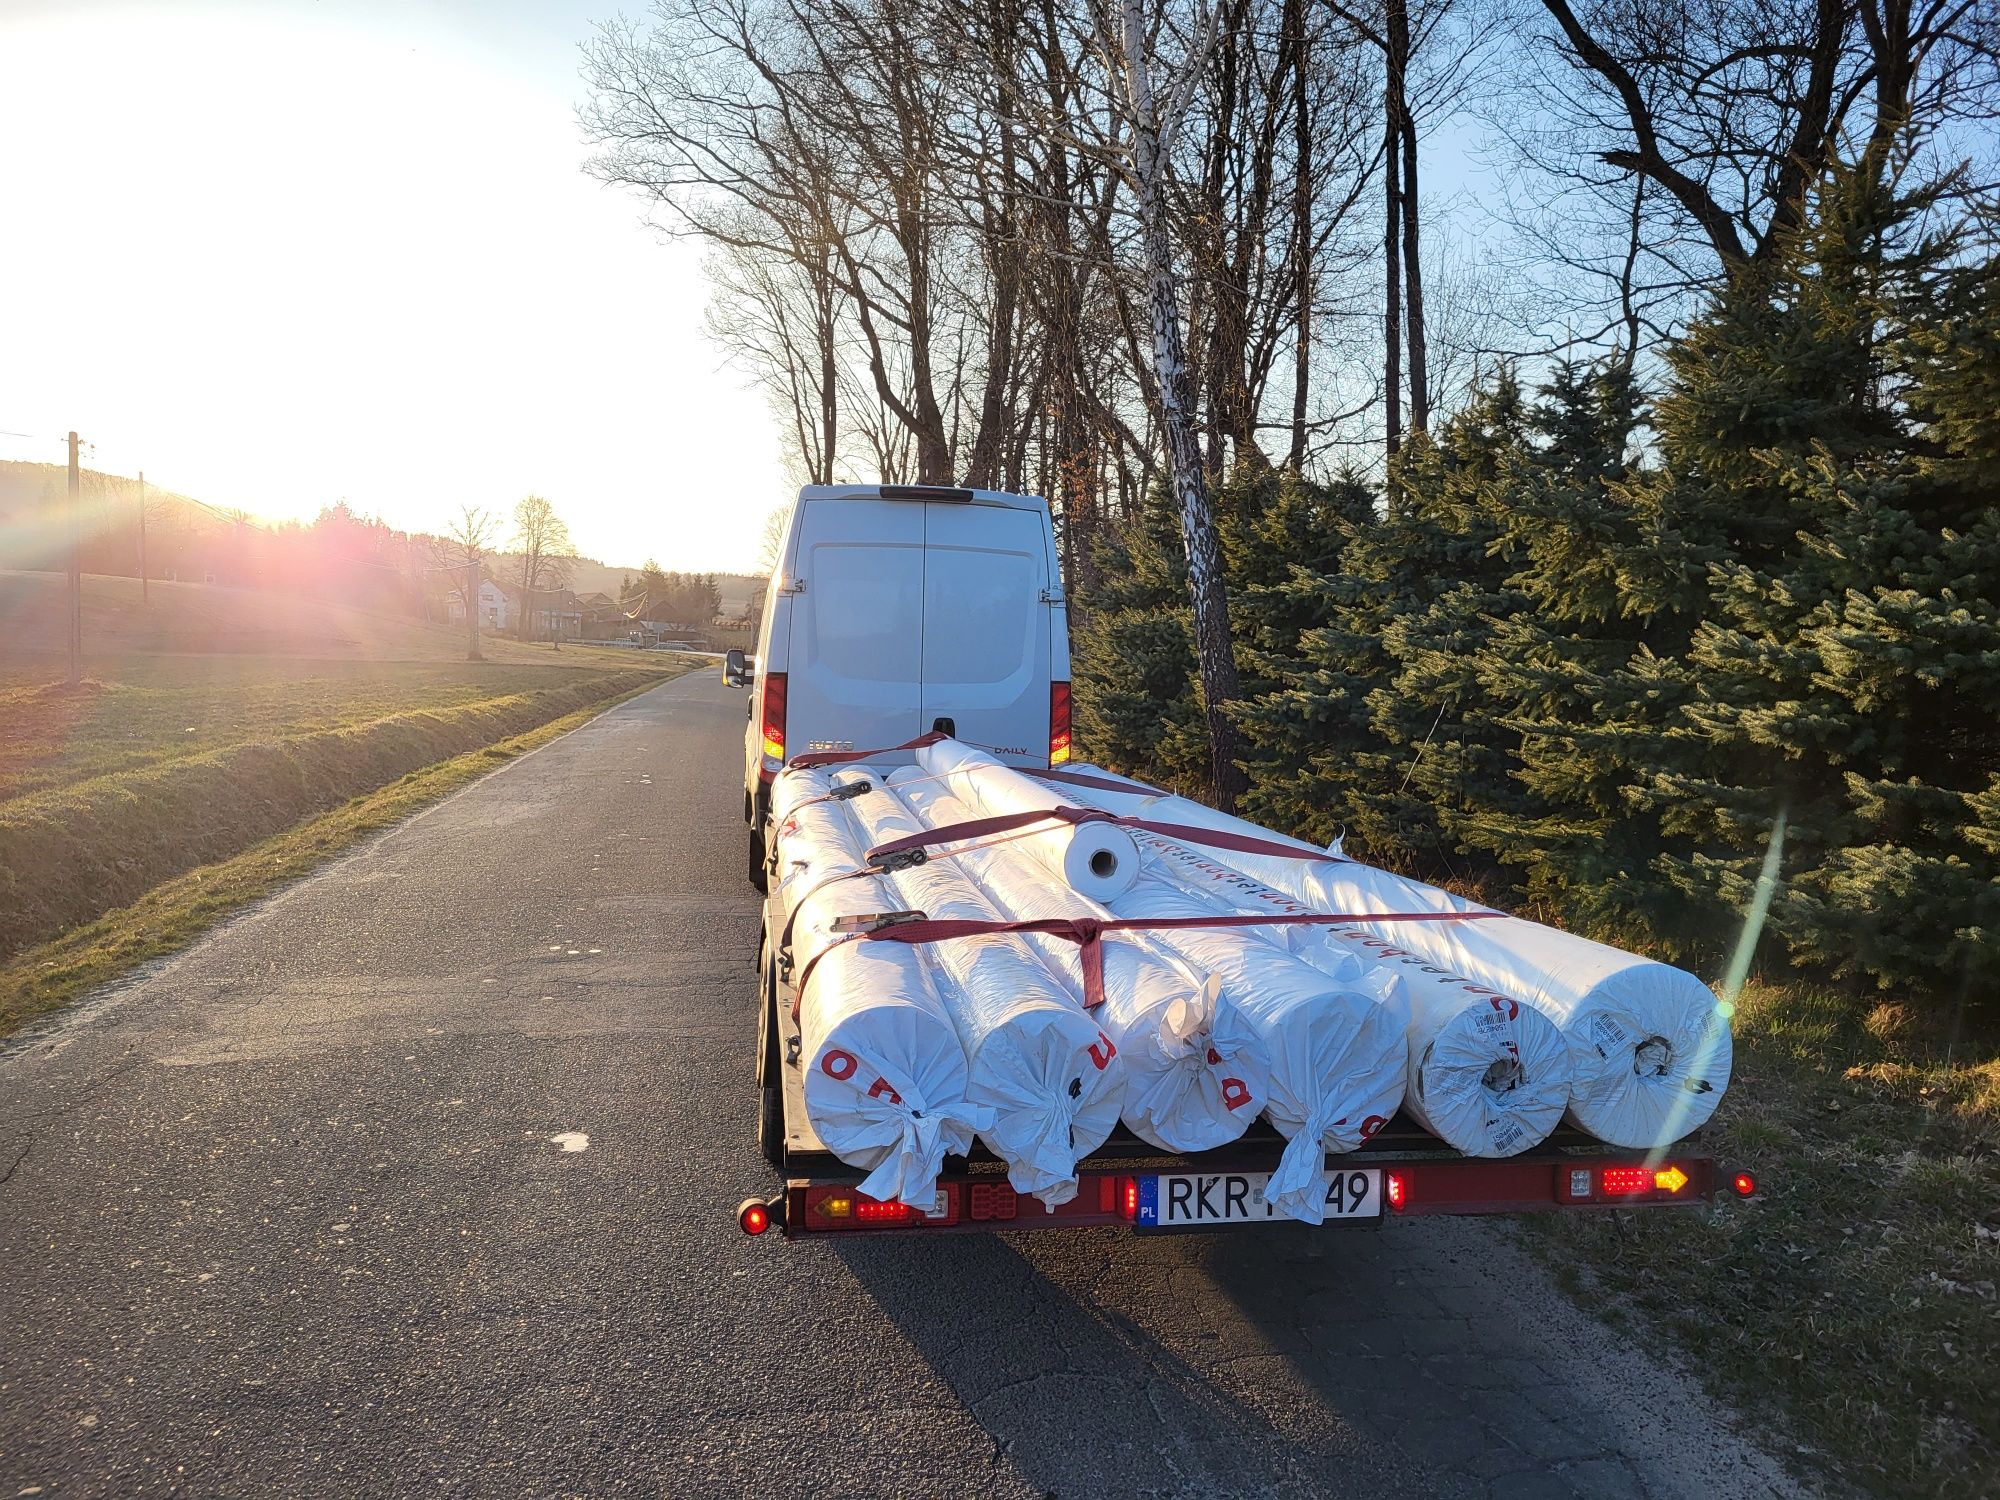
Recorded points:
(1196,1072)
(1336,1051)
(1046,1071)
(1486,1074)
(1649,1043)
(883,1070)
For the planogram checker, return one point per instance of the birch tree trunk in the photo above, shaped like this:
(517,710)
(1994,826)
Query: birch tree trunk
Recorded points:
(1392,303)
(1302,268)
(1413,275)
(1214,651)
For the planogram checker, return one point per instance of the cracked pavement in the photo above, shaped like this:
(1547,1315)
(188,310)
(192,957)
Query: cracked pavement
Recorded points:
(304,1212)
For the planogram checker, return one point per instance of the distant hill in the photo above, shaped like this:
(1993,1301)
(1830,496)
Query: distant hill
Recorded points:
(34,531)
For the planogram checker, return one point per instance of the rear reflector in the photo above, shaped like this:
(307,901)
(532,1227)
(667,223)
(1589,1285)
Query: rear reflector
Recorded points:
(774,716)
(1059,746)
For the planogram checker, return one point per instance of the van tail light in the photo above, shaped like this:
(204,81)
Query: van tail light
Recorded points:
(1058,723)
(774,716)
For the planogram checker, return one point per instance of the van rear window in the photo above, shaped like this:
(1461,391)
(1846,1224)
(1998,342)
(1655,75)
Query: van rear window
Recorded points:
(866,607)
(979,614)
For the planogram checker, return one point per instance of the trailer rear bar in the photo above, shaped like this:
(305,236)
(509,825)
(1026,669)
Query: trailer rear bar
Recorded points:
(1412,1188)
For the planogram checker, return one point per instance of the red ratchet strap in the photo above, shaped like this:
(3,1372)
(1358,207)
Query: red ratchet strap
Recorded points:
(841,757)
(1087,933)
(1179,833)
(1095,783)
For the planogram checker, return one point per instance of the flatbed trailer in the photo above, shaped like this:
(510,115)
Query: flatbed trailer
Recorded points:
(1403,1170)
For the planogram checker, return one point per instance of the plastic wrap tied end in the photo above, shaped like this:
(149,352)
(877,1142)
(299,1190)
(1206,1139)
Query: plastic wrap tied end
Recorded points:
(1088,932)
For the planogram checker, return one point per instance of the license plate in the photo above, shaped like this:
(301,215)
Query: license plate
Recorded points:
(1171,1201)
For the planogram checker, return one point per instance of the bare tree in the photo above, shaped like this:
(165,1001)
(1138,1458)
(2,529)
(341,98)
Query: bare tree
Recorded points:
(542,539)
(463,547)
(1671,145)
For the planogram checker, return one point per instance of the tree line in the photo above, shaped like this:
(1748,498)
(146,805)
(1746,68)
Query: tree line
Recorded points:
(1609,678)
(1331,432)
(1086,247)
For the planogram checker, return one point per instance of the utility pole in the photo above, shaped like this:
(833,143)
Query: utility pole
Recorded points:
(75,568)
(472,604)
(143,600)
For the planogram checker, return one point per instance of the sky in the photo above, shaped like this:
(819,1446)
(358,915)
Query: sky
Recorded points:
(278,253)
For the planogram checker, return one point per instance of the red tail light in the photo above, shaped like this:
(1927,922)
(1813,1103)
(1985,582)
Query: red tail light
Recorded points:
(1625,1179)
(829,1206)
(1399,1191)
(1744,1184)
(1058,723)
(752,1217)
(774,716)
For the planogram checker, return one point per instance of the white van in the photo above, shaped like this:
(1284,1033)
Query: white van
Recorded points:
(898,609)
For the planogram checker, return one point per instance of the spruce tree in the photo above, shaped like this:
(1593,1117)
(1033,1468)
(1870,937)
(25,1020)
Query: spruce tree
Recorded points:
(1284,561)
(1823,440)
(1570,674)
(1905,644)
(1137,706)
(1376,735)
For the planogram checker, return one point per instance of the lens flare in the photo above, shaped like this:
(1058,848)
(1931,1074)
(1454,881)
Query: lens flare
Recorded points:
(1732,980)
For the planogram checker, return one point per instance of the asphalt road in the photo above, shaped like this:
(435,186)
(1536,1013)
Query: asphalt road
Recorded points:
(418,1180)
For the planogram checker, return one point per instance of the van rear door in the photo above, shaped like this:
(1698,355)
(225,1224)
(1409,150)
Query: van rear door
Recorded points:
(985,650)
(857,628)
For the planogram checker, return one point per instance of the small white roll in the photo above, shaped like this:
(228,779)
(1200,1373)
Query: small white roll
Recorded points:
(1100,862)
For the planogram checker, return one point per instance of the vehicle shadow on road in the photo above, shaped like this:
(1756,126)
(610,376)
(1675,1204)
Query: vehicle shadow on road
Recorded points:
(1100,1363)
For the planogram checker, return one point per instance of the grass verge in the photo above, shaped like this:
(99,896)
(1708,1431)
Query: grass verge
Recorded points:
(175,913)
(1857,1292)
(69,854)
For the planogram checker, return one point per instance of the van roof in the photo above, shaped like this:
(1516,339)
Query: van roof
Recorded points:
(938,492)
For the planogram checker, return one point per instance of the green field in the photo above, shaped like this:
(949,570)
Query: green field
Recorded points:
(218,726)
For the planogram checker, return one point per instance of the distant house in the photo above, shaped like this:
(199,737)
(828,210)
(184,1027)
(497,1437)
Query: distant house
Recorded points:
(601,619)
(543,614)
(497,607)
